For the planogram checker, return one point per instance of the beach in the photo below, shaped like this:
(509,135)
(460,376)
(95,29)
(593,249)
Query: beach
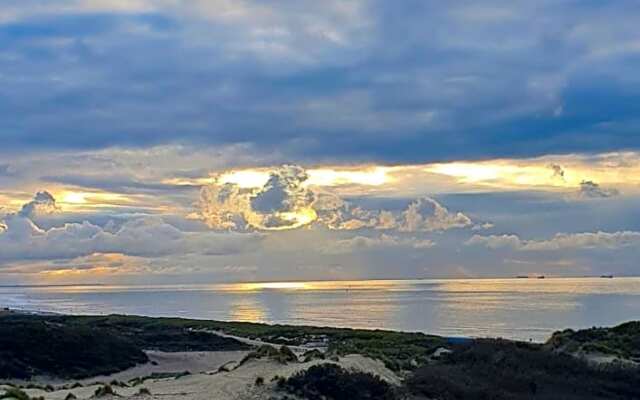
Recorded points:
(173,358)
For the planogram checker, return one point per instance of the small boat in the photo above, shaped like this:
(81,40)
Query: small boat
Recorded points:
(606,276)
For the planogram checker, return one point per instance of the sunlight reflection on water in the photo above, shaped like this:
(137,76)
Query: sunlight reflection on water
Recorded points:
(515,308)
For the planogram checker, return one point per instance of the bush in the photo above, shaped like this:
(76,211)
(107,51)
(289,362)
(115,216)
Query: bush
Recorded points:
(144,392)
(282,355)
(314,354)
(505,370)
(14,393)
(49,348)
(104,391)
(332,382)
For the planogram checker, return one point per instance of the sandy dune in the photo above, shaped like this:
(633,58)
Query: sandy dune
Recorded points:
(205,383)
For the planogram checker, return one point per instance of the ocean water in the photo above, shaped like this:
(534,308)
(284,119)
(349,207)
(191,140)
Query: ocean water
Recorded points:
(525,309)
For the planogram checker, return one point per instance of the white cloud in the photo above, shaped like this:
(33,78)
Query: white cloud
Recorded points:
(42,203)
(286,202)
(22,239)
(426,214)
(281,203)
(359,243)
(561,241)
(495,241)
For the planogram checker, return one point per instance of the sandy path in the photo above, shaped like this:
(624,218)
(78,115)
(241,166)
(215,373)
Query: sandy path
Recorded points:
(257,342)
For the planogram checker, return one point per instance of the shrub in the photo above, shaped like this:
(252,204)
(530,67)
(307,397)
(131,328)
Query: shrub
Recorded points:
(14,393)
(501,370)
(282,355)
(314,354)
(144,392)
(104,391)
(332,382)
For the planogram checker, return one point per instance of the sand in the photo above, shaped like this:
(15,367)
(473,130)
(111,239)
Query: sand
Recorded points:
(205,382)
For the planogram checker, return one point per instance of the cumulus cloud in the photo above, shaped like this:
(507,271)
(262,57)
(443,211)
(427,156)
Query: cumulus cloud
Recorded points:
(286,202)
(281,203)
(42,203)
(561,241)
(427,214)
(21,238)
(592,190)
(357,243)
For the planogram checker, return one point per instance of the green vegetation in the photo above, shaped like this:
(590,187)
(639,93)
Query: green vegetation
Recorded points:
(103,391)
(398,350)
(82,346)
(33,346)
(283,355)
(332,382)
(314,354)
(15,393)
(158,375)
(506,370)
(143,392)
(622,341)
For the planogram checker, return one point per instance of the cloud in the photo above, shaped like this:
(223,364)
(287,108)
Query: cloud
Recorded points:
(561,241)
(359,243)
(428,215)
(286,202)
(42,203)
(281,203)
(592,190)
(495,241)
(303,71)
(558,171)
(22,239)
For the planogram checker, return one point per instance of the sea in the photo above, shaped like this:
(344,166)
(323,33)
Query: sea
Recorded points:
(523,309)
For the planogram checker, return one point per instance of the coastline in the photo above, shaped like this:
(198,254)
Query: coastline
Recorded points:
(520,309)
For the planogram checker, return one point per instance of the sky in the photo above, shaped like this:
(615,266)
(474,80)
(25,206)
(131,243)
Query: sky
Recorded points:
(169,141)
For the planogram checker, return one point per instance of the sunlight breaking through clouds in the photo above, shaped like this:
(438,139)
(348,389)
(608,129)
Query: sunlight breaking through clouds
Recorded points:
(286,200)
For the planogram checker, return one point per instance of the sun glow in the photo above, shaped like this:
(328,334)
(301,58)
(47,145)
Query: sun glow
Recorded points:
(569,172)
(368,176)
(252,287)
(72,200)
(249,178)
(300,217)
(326,176)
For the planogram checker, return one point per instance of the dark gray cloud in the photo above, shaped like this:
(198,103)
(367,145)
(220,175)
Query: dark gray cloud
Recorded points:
(42,203)
(423,80)
(590,189)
